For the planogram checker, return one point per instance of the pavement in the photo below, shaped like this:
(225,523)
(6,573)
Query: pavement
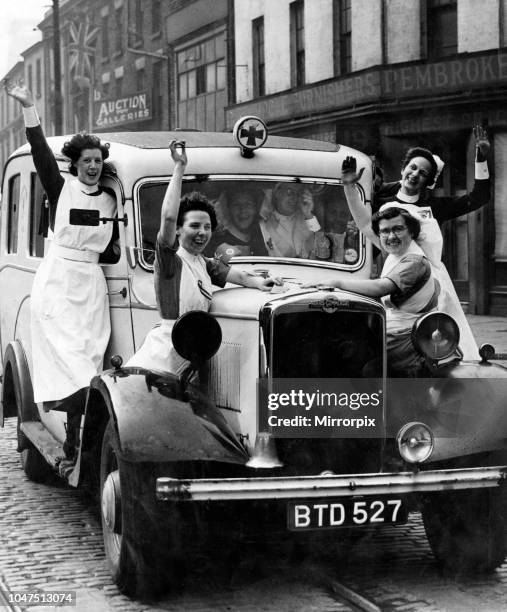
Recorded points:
(490,329)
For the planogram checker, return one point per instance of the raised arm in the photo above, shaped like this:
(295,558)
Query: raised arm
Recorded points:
(360,212)
(446,208)
(43,158)
(171,203)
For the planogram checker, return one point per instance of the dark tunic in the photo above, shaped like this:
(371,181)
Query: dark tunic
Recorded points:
(255,246)
(443,208)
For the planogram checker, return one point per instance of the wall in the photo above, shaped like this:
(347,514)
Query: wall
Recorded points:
(478,25)
(366,33)
(318,40)
(403,31)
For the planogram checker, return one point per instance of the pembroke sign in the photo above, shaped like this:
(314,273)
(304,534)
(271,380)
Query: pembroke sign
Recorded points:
(466,72)
(120,111)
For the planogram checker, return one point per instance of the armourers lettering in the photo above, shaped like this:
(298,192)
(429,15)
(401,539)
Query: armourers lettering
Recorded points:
(437,78)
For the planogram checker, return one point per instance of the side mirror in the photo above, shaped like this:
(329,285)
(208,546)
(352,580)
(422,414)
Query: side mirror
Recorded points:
(196,336)
(81,216)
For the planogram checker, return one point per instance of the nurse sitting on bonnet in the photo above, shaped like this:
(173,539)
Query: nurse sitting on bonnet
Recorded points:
(70,323)
(406,286)
(183,276)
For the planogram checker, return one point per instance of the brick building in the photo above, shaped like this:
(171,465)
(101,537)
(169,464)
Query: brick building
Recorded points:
(382,75)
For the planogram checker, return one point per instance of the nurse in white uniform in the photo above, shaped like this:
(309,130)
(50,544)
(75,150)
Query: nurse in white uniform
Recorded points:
(70,323)
(183,275)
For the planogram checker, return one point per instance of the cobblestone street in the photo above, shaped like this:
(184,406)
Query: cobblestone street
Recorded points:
(51,541)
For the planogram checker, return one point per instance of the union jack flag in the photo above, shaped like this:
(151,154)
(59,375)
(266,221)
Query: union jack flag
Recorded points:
(81,48)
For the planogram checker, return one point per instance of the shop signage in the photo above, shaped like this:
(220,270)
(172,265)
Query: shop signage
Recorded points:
(121,111)
(466,72)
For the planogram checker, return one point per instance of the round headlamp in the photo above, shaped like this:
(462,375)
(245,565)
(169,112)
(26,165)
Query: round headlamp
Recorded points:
(415,442)
(435,335)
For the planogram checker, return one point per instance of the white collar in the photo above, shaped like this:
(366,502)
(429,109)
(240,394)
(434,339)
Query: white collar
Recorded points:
(407,198)
(187,256)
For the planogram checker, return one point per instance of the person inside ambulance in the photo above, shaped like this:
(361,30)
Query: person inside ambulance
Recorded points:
(70,323)
(289,226)
(238,217)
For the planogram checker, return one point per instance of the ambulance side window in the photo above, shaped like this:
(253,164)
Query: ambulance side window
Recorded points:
(13,213)
(36,207)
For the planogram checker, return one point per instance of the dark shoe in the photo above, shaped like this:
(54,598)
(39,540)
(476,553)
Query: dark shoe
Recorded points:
(65,468)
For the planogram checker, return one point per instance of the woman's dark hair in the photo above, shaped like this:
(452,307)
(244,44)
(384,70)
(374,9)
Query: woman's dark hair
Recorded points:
(420,152)
(196,201)
(413,225)
(72,148)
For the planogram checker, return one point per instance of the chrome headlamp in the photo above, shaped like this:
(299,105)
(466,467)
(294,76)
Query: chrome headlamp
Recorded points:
(435,336)
(415,442)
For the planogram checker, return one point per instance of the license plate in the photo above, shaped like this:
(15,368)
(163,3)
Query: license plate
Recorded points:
(329,514)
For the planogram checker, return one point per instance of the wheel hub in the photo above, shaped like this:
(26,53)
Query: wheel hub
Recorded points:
(111,502)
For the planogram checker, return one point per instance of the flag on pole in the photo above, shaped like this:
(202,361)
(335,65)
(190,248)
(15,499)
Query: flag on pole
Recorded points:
(81,50)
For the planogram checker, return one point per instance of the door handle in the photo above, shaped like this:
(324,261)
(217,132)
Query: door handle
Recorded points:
(122,292)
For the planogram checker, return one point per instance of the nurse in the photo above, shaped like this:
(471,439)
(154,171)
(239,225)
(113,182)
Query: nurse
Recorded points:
(183,275)
(419,172)
(70,323)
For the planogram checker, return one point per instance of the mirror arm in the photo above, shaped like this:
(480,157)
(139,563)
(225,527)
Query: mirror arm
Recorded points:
(123,219)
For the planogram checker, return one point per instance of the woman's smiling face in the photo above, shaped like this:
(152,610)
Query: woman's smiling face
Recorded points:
(195,232)
(415,175)
(89,166)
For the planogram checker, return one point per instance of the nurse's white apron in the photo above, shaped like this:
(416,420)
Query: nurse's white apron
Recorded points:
(431,242)
(157,351)
(70,323)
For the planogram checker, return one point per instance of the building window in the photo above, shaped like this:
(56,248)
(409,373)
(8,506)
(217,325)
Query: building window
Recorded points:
(30,77)
(156,16)
(105,36)
(140,79)
(13,212)
(201,68)
(157,93)
(342,32)
(118,44)
(297,43)
(38,78)
(259,72)
(135,24)
(105,89)
(442,28)
(118,87)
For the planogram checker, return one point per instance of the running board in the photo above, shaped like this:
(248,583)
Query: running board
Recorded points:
(44,442)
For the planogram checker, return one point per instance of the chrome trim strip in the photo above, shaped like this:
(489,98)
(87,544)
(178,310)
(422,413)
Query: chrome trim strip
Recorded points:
(295,487)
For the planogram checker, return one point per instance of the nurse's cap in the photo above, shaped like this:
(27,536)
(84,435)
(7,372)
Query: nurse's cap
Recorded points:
(440,165)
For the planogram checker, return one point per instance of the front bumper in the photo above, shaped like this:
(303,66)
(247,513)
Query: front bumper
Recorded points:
(295,487)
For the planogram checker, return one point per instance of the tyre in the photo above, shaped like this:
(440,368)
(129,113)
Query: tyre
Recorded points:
(143,544)
(467,529)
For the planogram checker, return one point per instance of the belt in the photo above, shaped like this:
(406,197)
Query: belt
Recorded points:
(74,254)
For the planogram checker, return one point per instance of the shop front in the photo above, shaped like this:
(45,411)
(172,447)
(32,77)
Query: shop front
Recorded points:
(384,110)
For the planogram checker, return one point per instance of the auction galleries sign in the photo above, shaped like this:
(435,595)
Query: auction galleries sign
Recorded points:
(122,111)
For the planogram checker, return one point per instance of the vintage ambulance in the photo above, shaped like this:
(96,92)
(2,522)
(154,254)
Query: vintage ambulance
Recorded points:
(173,459)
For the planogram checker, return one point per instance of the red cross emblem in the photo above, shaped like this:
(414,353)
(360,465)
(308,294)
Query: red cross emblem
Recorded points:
(251,133)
